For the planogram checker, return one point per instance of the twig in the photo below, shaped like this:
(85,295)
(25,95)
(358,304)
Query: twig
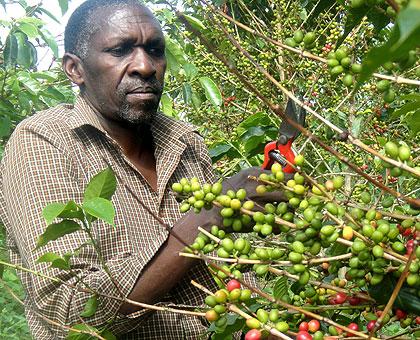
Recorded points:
(320,284)
(51,322)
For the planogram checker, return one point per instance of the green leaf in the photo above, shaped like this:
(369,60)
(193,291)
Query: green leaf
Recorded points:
(212,91)
(357,125)
(5,126)
(90,307)
(281,287)
(30,84)
(100,208)
(64,6)
(57,230)
(82,336)
(29,29)
(194,22)
(10,50)
(174,55)
(190,71)
(53,93)
(408,21)
(257,119)
(408,107)
(166,105)
(413,122)
(219,151)
(69,210)
(187,92)
(411,96)
(172,62)
(102,185)
(51,211)
(50,40)
(106,334)
(24,56)
(196,100)
(56,260)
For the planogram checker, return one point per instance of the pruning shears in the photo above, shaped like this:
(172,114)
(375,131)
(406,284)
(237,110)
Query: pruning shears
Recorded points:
(281,149)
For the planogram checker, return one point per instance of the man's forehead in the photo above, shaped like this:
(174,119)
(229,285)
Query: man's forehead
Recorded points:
(117,21)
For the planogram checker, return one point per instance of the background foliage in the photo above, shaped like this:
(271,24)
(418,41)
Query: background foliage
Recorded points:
(201,90)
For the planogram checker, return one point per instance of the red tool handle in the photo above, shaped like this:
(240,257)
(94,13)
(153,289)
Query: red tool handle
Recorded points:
(285,151)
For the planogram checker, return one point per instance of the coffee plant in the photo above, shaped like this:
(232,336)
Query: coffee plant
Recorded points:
(338,257)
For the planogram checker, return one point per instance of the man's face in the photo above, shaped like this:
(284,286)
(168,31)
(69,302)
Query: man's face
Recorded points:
(125,68)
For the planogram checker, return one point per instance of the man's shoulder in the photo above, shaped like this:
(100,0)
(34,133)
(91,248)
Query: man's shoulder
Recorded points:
(169,127)
(50,119)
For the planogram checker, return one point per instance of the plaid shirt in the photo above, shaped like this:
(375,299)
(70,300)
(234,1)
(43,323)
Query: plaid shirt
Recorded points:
(51,157)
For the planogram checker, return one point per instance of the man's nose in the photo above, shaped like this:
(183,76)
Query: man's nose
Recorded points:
(141,64)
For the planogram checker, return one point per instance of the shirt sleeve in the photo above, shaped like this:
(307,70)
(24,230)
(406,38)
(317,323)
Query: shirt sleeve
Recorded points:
(37,171)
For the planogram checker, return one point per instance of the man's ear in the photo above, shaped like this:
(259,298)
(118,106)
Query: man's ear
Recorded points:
(73,68)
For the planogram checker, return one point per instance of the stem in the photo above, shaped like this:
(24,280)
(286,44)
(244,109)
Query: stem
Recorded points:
(52,322)
(91,291)
(320,284)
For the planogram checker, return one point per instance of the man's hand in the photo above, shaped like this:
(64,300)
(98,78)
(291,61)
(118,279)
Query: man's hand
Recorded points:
(241,180)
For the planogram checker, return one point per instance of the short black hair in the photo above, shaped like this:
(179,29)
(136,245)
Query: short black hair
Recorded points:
(81,24)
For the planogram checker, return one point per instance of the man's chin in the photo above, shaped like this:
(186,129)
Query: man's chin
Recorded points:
(136,117)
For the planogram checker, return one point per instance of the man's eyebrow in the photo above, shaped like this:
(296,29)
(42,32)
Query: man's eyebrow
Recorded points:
(156,40)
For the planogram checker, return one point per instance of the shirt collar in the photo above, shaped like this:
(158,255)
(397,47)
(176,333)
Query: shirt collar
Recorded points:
(165,130)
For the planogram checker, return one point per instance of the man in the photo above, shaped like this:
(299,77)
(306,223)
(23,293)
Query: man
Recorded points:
(114,52)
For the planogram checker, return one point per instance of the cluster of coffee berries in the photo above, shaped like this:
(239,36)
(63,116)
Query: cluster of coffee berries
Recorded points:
(340,63)
(300,38)
(398,152)
(384,86)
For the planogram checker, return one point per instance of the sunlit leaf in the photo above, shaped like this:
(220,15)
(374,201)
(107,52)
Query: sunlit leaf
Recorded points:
(212,91)
(166,104)
(51,211)
(102,185)
(194,22)
(29,29)
(50,40)
(403,38)
(190,71)
(100,208)
(280,287)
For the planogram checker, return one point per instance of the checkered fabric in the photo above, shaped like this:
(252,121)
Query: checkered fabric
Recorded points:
(51,157)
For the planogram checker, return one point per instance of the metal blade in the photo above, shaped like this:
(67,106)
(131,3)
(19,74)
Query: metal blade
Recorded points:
(298,114)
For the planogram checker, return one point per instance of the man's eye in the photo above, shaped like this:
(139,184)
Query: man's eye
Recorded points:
(157,51)
(120,51)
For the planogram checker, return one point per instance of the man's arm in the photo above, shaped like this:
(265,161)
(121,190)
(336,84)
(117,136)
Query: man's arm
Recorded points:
(36,172)
(167,268)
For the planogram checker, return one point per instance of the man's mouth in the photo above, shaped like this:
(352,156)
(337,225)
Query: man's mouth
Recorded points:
(143,93)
